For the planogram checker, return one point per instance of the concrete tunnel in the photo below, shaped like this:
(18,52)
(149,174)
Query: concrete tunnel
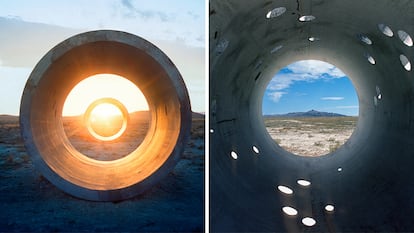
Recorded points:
(105,52)
(368,183)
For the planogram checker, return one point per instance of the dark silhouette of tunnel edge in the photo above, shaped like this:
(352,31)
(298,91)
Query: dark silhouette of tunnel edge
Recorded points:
(77,58)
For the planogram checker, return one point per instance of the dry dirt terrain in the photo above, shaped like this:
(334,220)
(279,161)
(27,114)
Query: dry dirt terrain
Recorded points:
(30,203)
(310,136)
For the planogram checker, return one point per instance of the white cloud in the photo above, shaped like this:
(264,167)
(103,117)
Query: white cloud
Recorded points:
(348,107)
(313,69)
(308,71)
(332,98)
(275,96)
(153,20)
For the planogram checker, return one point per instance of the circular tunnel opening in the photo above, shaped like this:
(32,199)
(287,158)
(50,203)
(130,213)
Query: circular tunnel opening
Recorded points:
(71,62)
(109,122)
(310,108)
(105,121)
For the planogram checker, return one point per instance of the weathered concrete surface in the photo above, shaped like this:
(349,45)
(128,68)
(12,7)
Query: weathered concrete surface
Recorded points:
(369,180)
(76,59)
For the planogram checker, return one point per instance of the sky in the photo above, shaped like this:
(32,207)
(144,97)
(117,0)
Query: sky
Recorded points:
(307,85)
(29,29)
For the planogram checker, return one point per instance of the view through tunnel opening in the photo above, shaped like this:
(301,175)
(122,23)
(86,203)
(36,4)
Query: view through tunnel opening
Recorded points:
(106,117)
(310,108)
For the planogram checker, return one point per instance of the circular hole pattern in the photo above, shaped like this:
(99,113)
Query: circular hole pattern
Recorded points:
(285,189)
(308,221)
(289,211)
(256,150)
(329,208)
(276,12)
(306,18)
(304,183)
(385,30)
(339,169)
(405,38)
(405,62)
(234,155)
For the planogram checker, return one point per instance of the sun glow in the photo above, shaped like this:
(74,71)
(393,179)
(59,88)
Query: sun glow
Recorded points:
(106,119)
(105,111)
(104,86)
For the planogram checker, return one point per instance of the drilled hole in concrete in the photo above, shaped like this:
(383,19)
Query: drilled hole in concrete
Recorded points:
(385,30)
(313,39)
(234,155)
(276,12)
(118,106)
(365,39)
(405,62)
(329,208)
(304,183)
(306,18)
(305,122)
(405,38)
(285,189)
(211,130)
(308,221)
(276,48)
(370,59)
(339,169)
(289,211)
(255,150)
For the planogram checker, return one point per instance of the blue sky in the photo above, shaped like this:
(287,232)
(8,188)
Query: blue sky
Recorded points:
(310,84)
(31,28)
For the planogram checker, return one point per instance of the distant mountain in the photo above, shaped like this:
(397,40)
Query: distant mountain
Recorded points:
(311,113)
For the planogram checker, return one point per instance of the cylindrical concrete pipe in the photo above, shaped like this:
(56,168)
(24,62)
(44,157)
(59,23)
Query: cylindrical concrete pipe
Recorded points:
(369,180)
(76,59)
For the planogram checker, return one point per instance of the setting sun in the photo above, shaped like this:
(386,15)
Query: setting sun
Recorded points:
(106,119)
(105,111)
(103,86)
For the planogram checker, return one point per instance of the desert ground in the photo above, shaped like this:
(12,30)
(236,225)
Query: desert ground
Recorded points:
(29,203)
(310,136)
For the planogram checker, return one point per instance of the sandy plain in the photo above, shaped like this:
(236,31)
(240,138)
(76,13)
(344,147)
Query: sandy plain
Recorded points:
(30,203)
(310,136)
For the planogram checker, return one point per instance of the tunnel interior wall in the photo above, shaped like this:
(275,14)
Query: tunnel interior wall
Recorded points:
(372,190)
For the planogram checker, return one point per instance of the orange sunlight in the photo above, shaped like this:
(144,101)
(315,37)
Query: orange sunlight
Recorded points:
(101,86)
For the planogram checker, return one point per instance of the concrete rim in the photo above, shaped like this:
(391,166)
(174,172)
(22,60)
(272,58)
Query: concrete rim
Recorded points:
(79,57)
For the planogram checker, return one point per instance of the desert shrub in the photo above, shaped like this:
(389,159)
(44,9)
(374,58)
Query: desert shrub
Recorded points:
(318,144)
